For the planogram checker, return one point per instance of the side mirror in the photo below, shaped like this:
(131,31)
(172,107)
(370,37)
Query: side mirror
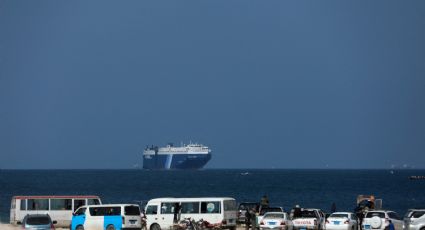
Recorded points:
(54,222)
(19,222)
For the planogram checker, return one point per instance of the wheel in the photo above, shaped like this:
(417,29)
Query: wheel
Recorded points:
(110,227)
(79,228)
(155,227)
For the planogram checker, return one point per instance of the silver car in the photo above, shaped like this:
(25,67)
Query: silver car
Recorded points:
(38,222)
(414,219)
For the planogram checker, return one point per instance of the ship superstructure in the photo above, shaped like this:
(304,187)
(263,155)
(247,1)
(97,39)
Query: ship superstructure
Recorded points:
(191,156)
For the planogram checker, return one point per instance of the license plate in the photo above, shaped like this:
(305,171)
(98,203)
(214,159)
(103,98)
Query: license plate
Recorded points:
(367,226)
(303,229)
(272,223)
(133,221)
(336,222)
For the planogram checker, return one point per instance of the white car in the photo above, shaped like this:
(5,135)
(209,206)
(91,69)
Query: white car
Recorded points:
(263,211)
(277,221)
(414,219)
(309,219)
(381,220)
(342,221)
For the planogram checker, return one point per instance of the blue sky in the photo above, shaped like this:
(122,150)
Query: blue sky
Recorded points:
(265,84)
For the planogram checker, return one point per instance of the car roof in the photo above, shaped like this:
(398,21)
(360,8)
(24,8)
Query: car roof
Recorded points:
(248,203)
(384,211)
(37,215)
(274,213)
(107,205)
(341,213)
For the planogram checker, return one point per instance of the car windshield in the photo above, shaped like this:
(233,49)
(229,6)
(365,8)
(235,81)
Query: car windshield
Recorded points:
(308,214)
(38,220)
(339,215)
(131,210)
(264,210)
(417,214)
(274,216)
(378,214)
(244,206)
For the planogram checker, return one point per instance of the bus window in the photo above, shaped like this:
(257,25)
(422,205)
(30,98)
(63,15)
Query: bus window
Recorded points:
(105,211)
(190,207)
(152,210)
(60,204)
(229,205)
(93,201)
(80,212)
(210,207)
(23,205)
(167,208)
(79,203)
(38,204)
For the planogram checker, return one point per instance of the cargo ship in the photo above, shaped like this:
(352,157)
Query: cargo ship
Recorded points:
(191,156)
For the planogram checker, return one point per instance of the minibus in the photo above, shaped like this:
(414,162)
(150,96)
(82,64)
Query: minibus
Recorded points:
(220,211)
(108,217)
(59,208)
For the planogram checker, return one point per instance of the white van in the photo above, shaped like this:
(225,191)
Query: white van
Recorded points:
(59,208)
(108,216)
(220,211)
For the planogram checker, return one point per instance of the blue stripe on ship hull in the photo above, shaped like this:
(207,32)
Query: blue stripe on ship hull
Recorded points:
(176,161)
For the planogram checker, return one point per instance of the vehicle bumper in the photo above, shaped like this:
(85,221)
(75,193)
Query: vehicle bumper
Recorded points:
(383,227)
(305,227)
(412,227)
(273,228)
(338,227)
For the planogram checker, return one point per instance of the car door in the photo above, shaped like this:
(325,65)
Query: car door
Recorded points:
(166,218)
(94,219)
(152,214)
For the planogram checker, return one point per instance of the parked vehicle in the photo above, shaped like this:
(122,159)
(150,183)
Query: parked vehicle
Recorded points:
(263,211)
(310,219)
(109,217)
(217,211)
(342,221)
(38,221)
(242,209)
(276,221)
(414,219)
(381,220)
(59,208)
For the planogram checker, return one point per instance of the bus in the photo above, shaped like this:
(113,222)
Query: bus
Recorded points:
(59,208)
(219,211)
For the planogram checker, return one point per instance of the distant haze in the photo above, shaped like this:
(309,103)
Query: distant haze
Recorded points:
(264,84)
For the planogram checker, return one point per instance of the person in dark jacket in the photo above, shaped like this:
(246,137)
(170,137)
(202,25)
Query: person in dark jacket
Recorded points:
(176,212)
(264,201)
(333,207)
(247,218)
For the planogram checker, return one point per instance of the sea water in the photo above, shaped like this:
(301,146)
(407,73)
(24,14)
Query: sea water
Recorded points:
(286,188)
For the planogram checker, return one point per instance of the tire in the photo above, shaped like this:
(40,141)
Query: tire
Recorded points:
(375,222)
(79,228)
(110,227)
(155,227)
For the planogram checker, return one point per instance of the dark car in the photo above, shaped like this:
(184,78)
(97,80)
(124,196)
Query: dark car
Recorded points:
(38,221)
(243,207)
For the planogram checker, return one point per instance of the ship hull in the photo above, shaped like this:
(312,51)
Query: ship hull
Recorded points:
(175,161)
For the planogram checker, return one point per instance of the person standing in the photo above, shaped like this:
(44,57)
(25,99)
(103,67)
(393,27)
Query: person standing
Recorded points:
(333,207)
(264,201)
(248,217)
(176,212)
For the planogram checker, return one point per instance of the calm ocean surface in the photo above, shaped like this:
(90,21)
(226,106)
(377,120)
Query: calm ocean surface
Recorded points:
(309,188)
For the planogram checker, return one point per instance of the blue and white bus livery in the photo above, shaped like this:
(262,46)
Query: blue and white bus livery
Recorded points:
(107,217)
